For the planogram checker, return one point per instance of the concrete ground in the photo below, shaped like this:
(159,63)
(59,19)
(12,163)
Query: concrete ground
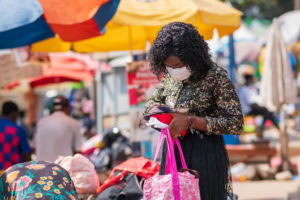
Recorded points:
(267,190)
(274,190)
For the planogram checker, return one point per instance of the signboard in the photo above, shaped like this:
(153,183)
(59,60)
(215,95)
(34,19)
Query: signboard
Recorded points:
(141,85)
(141,82)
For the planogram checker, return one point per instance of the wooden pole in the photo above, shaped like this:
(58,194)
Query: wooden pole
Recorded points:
(99,98)
(296,4)
(284,141)
(130,43)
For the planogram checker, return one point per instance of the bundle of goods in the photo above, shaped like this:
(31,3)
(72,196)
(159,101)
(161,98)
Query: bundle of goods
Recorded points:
(107,151)
(125,180)
(95,142)
(119,145)
(82,172)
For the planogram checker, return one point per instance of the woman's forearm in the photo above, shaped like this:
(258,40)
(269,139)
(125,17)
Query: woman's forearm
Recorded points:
(199,123)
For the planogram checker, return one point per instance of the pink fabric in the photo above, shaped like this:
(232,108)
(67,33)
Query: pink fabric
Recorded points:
(177,186)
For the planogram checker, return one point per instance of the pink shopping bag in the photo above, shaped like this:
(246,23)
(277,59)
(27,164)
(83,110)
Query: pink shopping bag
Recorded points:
(175,185)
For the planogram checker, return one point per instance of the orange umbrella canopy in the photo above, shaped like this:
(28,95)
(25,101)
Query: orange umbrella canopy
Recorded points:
(70,11)
(37,20)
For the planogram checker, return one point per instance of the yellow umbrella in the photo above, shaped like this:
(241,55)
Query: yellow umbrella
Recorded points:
(214,14)
(137,22)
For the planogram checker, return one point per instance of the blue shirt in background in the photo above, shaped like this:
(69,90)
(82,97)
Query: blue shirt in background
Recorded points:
(13,143)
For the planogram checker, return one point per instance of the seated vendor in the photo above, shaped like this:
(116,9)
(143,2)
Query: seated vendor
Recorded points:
(248,95)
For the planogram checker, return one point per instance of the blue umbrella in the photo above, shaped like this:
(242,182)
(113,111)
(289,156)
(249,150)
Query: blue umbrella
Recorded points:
(23,23)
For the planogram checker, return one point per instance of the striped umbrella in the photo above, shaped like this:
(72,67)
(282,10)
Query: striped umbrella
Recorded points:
(26,22)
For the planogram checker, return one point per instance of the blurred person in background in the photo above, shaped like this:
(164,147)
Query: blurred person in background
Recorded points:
(14,146)
(58,134)
(298,103)
(249,98)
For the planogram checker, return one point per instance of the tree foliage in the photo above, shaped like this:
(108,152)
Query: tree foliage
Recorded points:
(264,9)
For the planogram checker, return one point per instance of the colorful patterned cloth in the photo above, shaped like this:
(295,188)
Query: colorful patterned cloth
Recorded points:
(36,180)
(13,143)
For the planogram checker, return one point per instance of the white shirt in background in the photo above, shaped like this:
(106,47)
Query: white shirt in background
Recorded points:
(248,95)
(57,135)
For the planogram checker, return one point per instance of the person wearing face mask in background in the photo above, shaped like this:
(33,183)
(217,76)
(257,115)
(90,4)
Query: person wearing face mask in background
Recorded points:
(193,83)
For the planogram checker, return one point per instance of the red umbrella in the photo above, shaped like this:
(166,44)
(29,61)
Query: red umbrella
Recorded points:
(65,67)
(45,80)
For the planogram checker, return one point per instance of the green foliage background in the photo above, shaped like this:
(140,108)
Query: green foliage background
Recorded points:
(263,9)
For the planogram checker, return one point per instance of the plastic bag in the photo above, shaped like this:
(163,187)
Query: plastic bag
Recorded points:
(82,172)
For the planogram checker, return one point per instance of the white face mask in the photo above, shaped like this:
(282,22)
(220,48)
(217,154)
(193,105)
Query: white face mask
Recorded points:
(179,74)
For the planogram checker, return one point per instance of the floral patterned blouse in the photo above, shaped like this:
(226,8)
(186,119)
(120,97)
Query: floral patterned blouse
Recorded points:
(213,97)
(36,180)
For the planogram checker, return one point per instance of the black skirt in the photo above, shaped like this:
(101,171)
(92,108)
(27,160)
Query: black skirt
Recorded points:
(207,155)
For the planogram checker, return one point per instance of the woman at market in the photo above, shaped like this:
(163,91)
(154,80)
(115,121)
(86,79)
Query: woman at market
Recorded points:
(36,180)
(206,101)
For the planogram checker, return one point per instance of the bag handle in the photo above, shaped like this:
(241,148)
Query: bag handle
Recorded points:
(171,162)
(171,142)
(158,146)
(161,137)
(111,182)
(183,163)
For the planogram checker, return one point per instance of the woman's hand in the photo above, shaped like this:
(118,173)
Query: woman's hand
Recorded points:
(178,124)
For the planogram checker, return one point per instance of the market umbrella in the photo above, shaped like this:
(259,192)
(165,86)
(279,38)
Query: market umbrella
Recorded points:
(36,20)
(137,22)
(214,14)
(290,26)
(278,85)
(246,45)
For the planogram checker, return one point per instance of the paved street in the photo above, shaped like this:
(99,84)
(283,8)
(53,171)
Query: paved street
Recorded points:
(273,190)
(266,190)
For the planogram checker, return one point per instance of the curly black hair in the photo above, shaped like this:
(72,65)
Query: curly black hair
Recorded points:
(181,40)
